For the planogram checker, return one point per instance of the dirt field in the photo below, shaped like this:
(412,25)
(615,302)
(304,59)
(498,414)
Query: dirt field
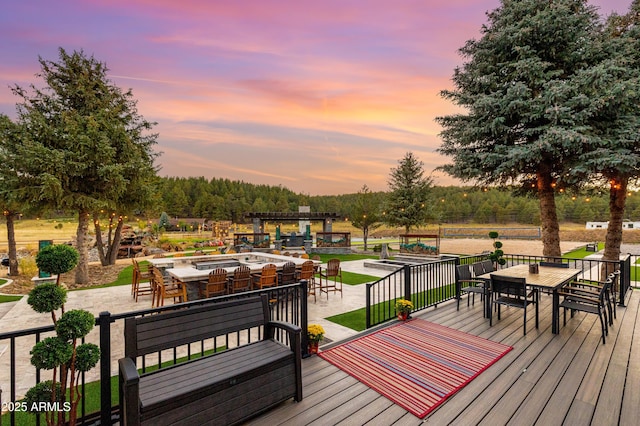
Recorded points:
(473,246)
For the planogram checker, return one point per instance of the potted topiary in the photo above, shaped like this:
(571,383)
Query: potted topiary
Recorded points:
(61,353)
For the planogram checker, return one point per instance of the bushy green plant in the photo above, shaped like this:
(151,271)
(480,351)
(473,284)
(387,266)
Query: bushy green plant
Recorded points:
(50,353)
(43,393)
(27,266)
(75,324)
(497,255)
(87,356)
(60,353)
(57,259)
(47,297)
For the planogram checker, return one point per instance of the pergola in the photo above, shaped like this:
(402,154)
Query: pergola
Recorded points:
(277,217)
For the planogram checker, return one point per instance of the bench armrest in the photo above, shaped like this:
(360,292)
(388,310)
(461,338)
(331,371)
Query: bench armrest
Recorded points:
(295,342)
(128,371)
(292,329)
(129,394)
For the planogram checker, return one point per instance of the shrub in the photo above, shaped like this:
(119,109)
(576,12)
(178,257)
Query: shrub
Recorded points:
(57,259)
(50,353)
(27,266)
(75,324)
(47,297)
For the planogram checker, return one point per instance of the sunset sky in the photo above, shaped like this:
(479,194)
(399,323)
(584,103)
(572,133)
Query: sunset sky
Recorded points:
(320,97)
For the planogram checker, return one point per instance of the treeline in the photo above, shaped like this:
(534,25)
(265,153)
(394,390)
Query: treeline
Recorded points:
(224,199)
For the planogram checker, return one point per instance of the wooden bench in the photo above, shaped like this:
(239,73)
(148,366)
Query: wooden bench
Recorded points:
(225,387)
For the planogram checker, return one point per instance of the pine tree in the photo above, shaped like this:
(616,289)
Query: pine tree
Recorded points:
(525,111)
(408,201)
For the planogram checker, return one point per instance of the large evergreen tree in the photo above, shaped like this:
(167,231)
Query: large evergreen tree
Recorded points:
(525,112)
(613,152)
(408,201)
(83,145)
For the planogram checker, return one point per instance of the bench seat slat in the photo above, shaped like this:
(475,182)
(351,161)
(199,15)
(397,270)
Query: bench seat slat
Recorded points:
(189,377)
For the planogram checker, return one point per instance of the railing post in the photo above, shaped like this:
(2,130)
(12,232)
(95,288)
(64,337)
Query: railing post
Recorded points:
(407,282)
(104,322)
(304,318)
(624,280)
(367,310)
(457,285)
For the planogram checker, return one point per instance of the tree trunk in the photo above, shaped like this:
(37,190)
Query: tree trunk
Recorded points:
(114,245)
(11,242)
(99,243)
(108,252)
(365,236)
(548,215)
(82,270)
(613,239)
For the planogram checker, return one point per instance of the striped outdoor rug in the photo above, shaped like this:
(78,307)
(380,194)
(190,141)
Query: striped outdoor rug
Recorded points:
(416,364)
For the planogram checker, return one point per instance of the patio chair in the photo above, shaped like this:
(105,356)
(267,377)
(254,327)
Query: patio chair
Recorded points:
(268,277)
(140,281)
(175,290)
(487,266)
(593,288)
(334,272)
(241,280)
(576,298)
(215,285)
(469,285)
(478,269)
(513,292)
(288,274)
(307,272)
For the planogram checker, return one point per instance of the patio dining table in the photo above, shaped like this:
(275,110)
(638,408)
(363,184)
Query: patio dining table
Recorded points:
(190,275)
(548,278)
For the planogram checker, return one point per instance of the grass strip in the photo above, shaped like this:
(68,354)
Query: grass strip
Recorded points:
(581,253)
(4,299)
(92,392)
(356,319)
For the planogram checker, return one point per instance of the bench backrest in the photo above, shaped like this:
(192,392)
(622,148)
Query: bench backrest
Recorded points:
(172,329)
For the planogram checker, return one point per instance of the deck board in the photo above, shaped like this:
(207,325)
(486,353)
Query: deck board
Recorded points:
(570,378)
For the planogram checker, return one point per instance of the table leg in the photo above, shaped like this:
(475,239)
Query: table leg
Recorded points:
(555,316)
(487,303)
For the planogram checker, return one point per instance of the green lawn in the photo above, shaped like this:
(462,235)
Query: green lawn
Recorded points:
(356,319)
(4,299)
(124,278)
(581,253)
(324,257)
(635,273)
(92,393)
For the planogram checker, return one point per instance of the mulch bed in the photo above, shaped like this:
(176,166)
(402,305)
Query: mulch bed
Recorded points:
(98,275)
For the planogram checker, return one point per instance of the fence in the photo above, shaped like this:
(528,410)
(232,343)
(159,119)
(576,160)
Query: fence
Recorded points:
(288,303)
(525,233)
(432,283)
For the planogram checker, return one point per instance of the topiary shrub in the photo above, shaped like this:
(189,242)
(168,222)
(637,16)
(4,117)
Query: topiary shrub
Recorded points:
(60,353)
(497,255)
(57,259)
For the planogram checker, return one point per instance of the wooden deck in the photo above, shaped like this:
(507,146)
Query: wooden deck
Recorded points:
(570,378)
